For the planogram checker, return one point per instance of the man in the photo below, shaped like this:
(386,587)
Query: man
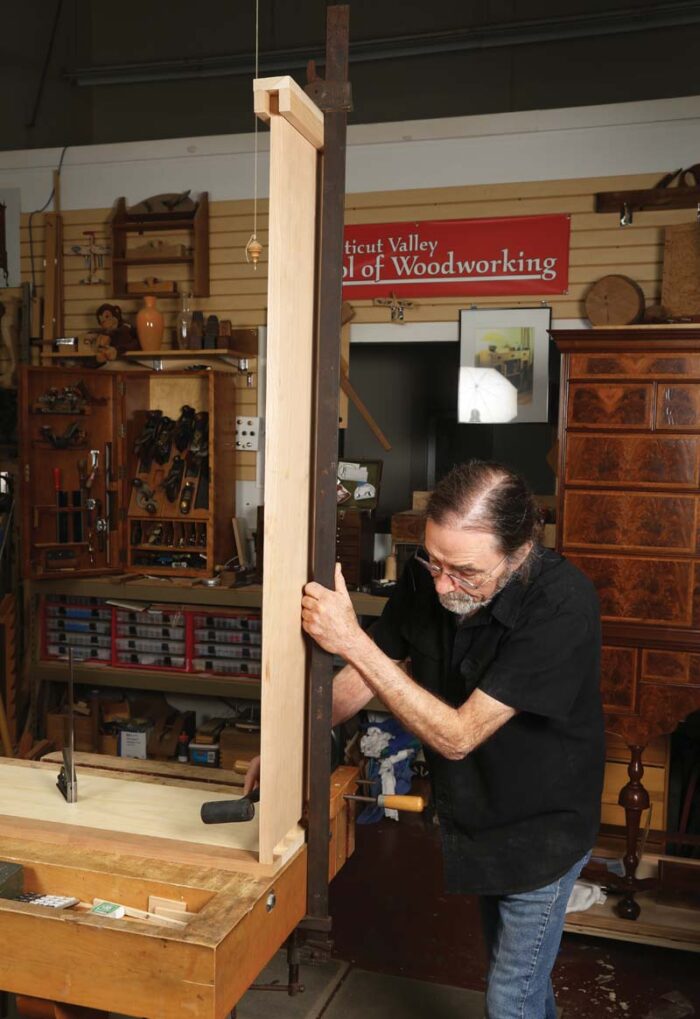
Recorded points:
(503,640)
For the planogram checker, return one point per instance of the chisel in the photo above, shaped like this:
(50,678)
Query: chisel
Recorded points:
(413,804)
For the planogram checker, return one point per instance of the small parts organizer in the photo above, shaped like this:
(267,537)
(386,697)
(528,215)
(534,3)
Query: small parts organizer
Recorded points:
(161,637)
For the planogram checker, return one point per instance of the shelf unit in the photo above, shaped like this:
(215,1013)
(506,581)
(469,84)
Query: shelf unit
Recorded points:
(220,358)
(182,593)
(195,223)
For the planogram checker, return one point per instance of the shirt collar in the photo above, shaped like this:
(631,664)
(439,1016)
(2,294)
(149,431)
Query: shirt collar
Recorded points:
(505,607)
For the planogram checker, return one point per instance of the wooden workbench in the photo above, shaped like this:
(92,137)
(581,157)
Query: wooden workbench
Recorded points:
(149,842)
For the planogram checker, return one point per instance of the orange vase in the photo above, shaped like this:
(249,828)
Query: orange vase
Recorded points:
(149,324)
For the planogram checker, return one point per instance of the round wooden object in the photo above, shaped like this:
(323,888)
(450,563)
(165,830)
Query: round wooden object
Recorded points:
(614,301)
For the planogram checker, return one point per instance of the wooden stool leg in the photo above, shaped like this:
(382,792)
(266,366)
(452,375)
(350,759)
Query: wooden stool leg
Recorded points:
(634,798)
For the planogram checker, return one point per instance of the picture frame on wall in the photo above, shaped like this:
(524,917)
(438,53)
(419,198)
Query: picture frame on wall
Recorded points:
(514,343)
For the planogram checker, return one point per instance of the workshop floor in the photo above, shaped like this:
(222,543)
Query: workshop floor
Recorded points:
(390,916)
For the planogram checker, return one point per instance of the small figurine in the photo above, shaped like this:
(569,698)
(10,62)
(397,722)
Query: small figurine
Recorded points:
(115,336)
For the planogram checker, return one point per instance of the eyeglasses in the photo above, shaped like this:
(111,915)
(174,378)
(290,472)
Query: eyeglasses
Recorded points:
(459,579)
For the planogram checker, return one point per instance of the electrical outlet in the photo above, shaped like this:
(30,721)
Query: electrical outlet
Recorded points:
(248,434)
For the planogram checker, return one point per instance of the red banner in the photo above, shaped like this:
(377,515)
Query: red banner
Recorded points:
(456,257)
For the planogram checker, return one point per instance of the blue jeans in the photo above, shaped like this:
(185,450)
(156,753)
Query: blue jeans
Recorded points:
(522,934)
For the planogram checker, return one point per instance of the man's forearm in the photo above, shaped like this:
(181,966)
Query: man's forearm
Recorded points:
(350,694)
(423,714)
(452,732)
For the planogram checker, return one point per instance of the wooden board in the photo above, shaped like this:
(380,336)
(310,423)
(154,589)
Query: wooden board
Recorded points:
(290,335)
(133,814)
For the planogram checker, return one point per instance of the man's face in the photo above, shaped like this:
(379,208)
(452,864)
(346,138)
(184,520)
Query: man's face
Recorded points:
(474,568)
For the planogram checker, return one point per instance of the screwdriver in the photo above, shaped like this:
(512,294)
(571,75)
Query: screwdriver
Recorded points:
(412,804)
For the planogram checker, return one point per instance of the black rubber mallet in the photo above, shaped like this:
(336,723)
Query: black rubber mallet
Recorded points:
(228,811)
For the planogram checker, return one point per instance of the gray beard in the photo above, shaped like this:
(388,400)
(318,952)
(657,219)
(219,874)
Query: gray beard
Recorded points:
(463,604)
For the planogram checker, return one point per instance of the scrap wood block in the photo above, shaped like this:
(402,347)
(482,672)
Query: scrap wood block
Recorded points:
(208,731)
(408,527)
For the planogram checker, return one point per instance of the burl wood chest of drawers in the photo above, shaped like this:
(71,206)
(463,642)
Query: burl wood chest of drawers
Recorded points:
(628,512)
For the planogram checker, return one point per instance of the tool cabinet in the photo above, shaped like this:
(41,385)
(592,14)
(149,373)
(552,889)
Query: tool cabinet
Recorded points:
(94,500)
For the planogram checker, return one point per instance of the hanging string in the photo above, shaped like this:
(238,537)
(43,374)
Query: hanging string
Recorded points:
(253,248)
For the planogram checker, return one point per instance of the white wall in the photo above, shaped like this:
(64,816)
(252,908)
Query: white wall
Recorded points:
(624,138)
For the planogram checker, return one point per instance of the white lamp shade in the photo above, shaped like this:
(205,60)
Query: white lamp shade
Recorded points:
(485,397)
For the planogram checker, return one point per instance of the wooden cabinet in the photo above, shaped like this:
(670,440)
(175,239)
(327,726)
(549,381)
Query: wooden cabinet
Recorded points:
(99,495)
(628,517)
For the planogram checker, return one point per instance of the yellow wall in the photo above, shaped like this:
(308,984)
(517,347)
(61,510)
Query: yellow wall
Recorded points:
(238,292)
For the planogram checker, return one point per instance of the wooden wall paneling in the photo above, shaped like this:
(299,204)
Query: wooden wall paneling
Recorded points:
(239,292)
(290,334)
(596,239)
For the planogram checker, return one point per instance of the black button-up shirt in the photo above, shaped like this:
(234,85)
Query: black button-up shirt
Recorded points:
(523,807)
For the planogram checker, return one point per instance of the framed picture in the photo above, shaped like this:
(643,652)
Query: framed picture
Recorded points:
(358,484)
(514,343)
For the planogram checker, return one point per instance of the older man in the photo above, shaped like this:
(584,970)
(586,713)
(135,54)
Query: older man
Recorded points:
(503,640)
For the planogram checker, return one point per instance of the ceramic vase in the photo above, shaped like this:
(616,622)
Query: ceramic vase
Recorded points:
(149,324)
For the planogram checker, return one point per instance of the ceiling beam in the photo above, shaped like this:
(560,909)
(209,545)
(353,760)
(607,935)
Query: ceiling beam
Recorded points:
(618,21)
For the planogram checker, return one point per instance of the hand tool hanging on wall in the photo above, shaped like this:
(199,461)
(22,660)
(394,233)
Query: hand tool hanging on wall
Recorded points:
(91,504)
(72,435)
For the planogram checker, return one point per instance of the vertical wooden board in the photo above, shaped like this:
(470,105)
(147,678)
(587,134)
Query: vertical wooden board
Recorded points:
(287,477)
